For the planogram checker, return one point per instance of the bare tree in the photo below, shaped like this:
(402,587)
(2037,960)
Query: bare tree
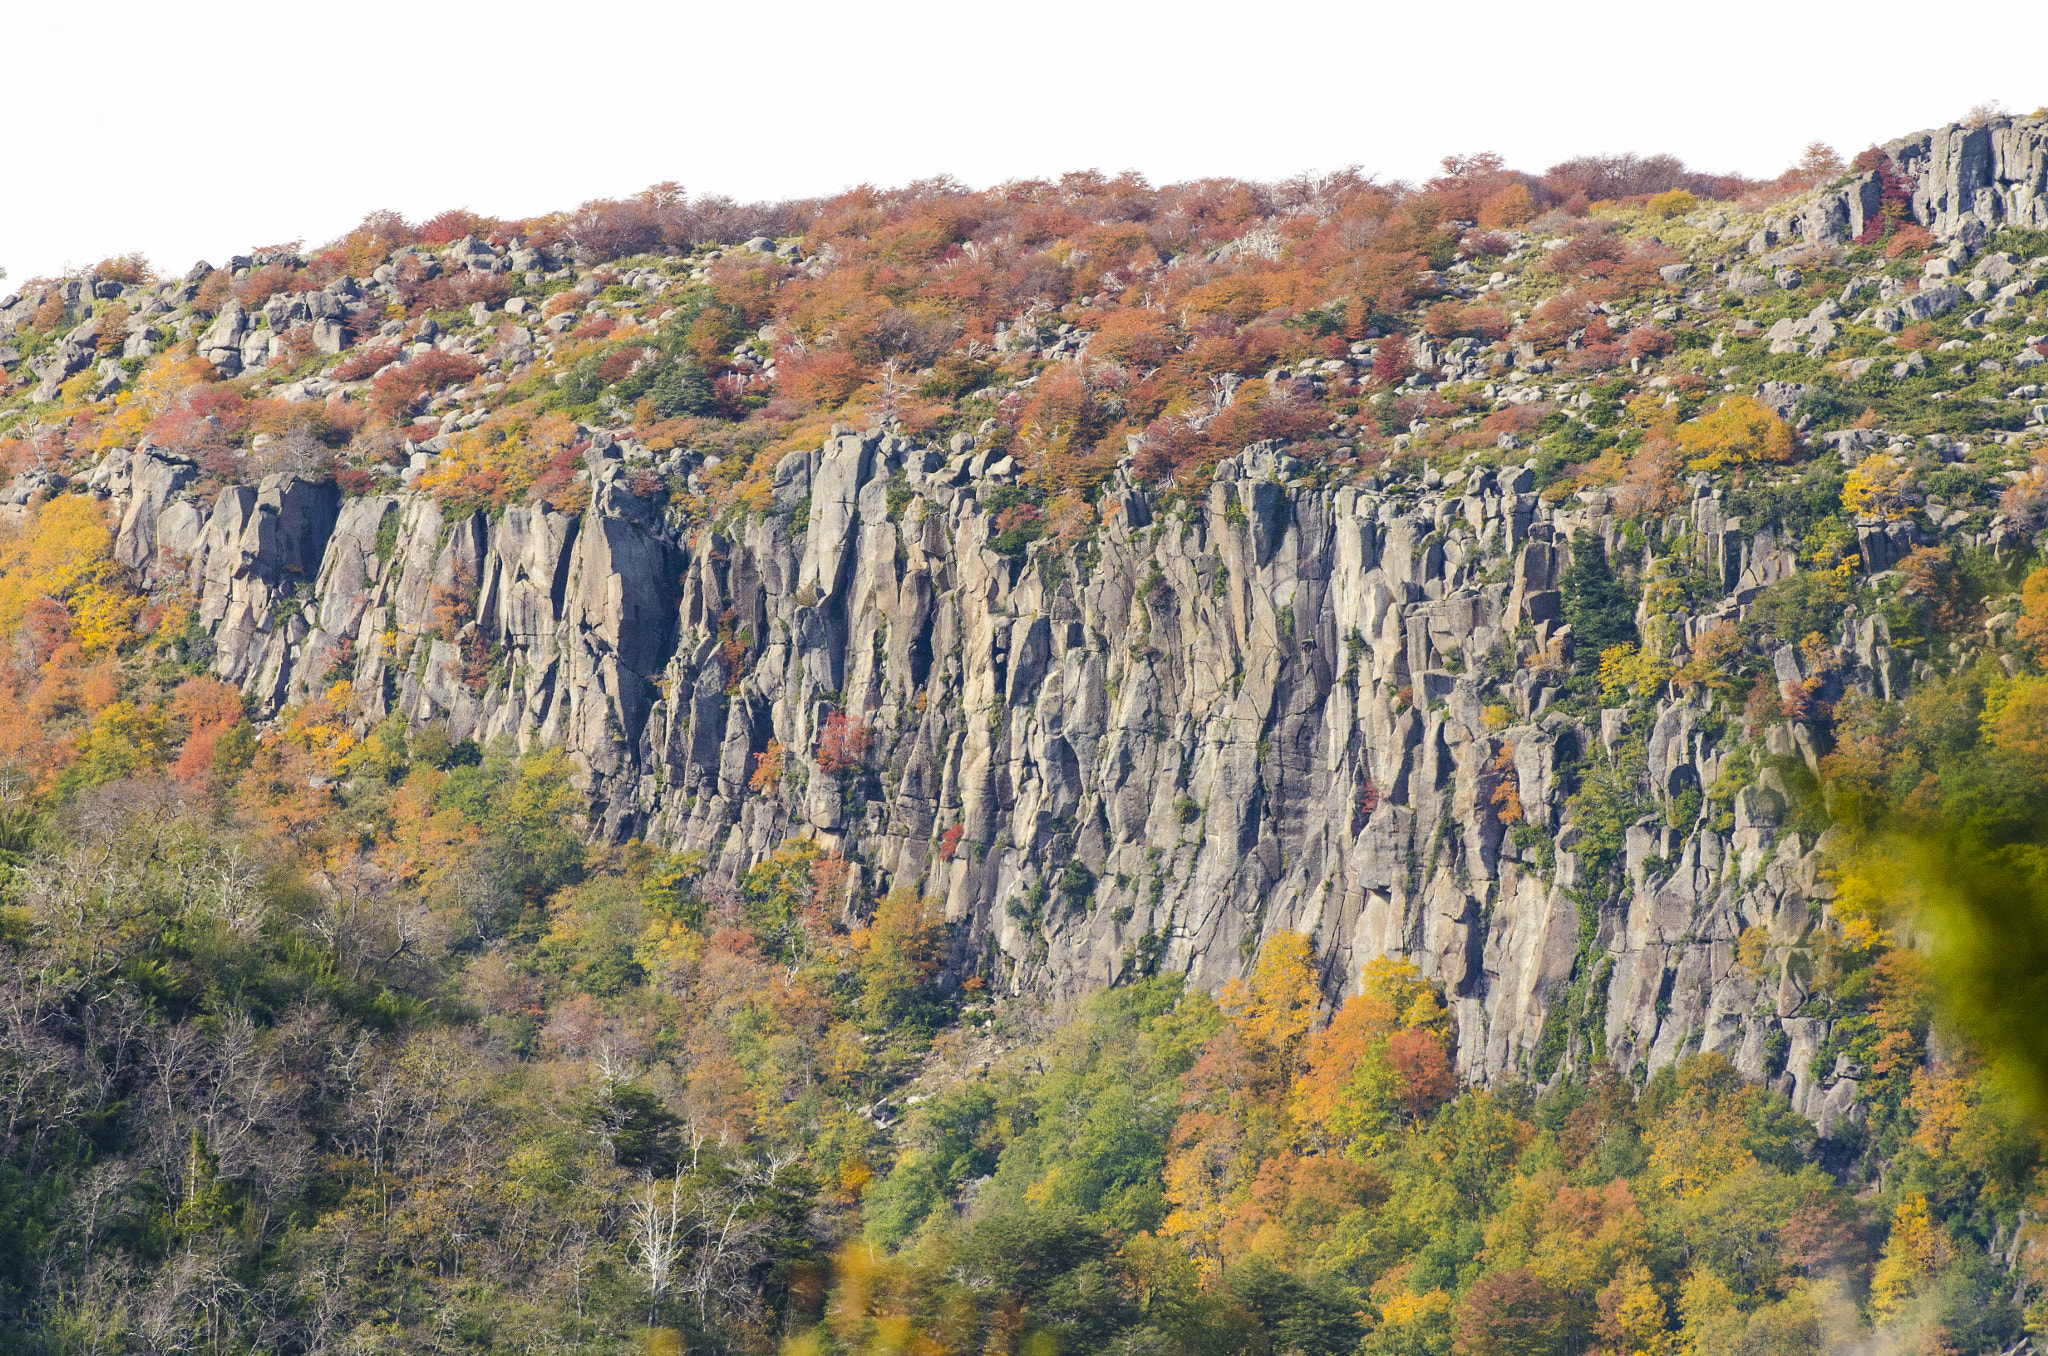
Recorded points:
(658,1219)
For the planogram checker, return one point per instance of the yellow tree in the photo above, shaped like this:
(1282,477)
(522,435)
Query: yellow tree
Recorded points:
(1916,1250)
(1233,1102)
(1734,433)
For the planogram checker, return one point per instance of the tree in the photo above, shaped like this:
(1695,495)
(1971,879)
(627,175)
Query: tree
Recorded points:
(1916,1250)
(1510,1313)
(1596,606)
(905,948)
(844,744)
(659,1225)
(1737,432)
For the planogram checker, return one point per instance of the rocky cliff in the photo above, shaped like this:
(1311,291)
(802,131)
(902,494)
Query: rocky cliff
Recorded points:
(1264,708)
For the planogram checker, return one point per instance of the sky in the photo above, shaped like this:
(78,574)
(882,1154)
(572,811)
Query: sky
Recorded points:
(188,131)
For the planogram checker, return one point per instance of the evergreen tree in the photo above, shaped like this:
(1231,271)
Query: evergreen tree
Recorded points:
(1596,605)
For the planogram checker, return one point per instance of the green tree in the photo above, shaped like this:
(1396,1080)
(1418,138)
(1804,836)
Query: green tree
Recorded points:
(1597,607)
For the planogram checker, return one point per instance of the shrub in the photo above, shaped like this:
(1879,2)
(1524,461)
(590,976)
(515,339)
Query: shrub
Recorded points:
(767,768)
(1449,320)
(1391,362)
(827,378)
(397,391)
(610,228)
(365,363)
(1508,208)
(445,228)
(128,269)
(1648,342)
(266,282)
(1675,202)
(844,744)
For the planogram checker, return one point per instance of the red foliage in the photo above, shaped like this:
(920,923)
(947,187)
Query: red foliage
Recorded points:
(619,364)
(552,485)
(454,292)
(948,841)
(445,228)
(365,362)
(1648,342)
(1895,197)
(609,228)
(844,744)
(1391,362)
(398,390)
(1427,1080)
(1509,1311)
(825,378)
(266,282)
(1450,320)
(353,480)
(47,625)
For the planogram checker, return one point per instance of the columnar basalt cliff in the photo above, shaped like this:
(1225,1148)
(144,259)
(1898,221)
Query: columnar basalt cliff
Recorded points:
(1275,706)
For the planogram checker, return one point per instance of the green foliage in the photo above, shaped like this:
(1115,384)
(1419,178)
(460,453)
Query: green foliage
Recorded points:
(387,534)
(1596,606)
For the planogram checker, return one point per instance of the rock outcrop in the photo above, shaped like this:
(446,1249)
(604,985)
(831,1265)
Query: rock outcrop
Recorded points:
(1974,179)
(1283,706)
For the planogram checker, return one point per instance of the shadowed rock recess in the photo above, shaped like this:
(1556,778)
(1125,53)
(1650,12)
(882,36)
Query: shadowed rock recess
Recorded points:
(1262,710)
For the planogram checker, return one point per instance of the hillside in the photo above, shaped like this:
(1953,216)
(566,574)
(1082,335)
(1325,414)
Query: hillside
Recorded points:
(1319,766)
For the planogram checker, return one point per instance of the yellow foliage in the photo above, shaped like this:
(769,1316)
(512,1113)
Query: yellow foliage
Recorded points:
(1753,948)
(1674,202)
(1633,1314)
(1916,1249)
(1940,1103)
(161,385)
(1406,1309)
(2015,722)
(1401,987)
(1700,1140)
(321,727)
(500,459)
(1736,432)
(1276,1008)
(103,615)
(1704,1301)
(64,552)
(1712,656)
(1876,489)
(1864,895)
(1626,673)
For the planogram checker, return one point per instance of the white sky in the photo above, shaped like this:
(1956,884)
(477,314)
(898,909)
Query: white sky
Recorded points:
(190,131)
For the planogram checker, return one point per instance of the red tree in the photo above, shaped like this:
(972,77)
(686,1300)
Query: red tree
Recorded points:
(844,744)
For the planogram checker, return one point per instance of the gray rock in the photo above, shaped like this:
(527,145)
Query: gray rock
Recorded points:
(1782,396)
(1968,181)
(221,344)
(1929,302)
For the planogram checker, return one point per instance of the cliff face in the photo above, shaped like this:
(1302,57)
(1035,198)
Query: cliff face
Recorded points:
(1977,178)
(1281,706)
